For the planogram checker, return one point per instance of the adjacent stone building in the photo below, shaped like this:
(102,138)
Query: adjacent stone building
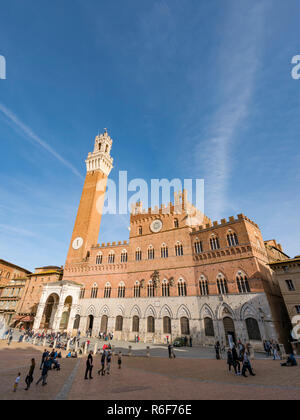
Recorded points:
(287,274)
(12,284)
(180,274)
(33,292)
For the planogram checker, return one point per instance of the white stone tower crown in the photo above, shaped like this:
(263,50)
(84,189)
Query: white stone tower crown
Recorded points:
(100,158)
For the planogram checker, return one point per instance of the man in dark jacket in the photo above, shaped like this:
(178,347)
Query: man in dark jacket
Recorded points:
(89,366)
(236,361)
(29,377)
(44,355)
(46,367)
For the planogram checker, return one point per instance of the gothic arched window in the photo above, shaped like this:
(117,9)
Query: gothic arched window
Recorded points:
(203,286)
(121,290)
(253,329)
(150,253)
(167,328)
(214,243)
(107,290)
(135,324)
(242,283)
(178,249)
(222,285)
(124,256)
(119,323)
(94,291)
(137,290)
(165,288)
(164,251)
(185,326)
(150,324)
(150,289)
(181,288)
(138,254)
(111,257)
(198,246)
(232,239)
(99,258)
(209,327)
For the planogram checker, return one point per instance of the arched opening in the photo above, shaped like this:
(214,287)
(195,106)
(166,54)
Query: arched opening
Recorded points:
(185,325)
(119,323)
(167,325)
(253,329)
(150,324)
(76,322)
(135,324)
(66,313)
(229,330)
(103,326)
(209,327)
(90,323)
(49,311)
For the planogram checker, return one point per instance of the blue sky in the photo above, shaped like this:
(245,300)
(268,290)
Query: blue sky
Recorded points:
(188,89)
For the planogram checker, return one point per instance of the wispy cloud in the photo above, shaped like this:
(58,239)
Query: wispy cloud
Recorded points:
(16,230)
(237,63)
(18,124)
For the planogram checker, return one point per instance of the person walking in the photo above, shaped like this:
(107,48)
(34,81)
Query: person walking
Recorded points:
(230,362)
(17,382)
(108,362)
(217,349)
(236,361)
(46,367)
(29,377)
(89,366)
(44,355)
(170,351)
(120,360)
(246,365)
(103,358)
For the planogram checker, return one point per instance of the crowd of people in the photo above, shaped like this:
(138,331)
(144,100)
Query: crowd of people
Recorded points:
(237,356)
(49,361)
(106,359)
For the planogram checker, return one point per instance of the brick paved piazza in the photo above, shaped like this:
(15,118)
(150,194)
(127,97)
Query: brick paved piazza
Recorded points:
(142,378)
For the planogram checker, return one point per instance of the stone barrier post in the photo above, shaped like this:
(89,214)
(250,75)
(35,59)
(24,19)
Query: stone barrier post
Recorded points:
(44,342)
(251,352)
(95,348)
(54,344)
(148,351)
(85,348)
(282,351)
(68,345)
(33,341)
(130,351)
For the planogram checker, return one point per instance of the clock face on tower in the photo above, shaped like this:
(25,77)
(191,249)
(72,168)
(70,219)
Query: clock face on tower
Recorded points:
(77,243)
(156,226)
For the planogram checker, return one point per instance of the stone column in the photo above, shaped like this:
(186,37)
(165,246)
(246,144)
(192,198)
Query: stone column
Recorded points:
(71,318)
(57,317)
(38,316)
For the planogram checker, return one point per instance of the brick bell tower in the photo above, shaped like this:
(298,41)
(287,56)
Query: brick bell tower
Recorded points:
(99,163)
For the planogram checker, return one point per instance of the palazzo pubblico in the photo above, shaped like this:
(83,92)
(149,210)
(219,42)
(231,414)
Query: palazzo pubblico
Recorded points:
(173,277)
